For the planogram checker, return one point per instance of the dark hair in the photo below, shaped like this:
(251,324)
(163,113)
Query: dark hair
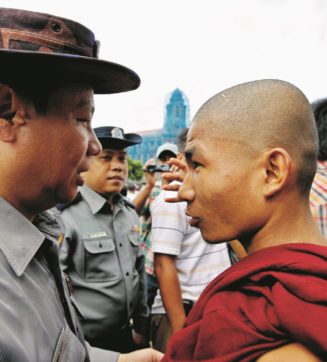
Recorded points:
(39,97)
(37,91)
(181,139)
(319,108)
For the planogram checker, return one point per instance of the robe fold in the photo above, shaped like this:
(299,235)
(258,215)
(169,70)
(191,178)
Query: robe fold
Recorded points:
(272,297)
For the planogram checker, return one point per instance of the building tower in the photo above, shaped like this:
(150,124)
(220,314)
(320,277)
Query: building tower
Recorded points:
(176,114)
(176,117)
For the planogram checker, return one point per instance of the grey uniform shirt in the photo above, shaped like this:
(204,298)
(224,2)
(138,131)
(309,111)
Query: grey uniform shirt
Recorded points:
(102,255)
(38,321)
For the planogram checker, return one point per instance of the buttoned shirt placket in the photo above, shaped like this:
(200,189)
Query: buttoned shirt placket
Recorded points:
(123,257)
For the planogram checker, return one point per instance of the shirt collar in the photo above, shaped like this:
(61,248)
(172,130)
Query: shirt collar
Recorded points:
(19,238)
(96,201)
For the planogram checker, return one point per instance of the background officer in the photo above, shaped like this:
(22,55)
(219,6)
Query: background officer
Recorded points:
(101,251)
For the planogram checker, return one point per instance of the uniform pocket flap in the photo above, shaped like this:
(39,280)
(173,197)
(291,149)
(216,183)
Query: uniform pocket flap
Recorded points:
(99,245)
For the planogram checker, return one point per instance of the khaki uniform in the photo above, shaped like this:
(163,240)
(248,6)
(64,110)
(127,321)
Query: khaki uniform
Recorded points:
(38,321)
(101,253)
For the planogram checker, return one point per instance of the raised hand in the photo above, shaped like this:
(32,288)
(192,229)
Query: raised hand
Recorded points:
(177,173)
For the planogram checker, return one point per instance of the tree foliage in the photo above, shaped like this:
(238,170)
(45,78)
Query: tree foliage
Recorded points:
(135,171)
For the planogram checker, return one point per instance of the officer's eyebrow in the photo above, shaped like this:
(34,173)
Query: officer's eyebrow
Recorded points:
(108,151)
(112,150)
(85,102)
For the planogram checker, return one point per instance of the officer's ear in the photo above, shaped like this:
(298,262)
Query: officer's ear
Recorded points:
(12,113)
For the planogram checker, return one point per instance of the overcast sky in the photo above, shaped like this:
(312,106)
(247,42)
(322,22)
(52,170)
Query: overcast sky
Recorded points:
(199,46)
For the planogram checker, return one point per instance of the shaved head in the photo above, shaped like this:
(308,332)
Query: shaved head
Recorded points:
(265,114)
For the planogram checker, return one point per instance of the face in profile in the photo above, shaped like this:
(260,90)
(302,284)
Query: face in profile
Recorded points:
(108,172)
(220,185)
(56,147)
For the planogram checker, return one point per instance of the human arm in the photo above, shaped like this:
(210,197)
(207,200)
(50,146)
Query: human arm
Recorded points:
(167,235)
(141,197)
(293,352)
(142,355)
(167,276)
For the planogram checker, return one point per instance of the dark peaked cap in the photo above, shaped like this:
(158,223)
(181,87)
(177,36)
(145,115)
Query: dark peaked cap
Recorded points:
(34,46)
(114,137)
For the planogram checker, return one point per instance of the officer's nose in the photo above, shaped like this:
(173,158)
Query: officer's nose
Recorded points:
(116,164)
(94,146)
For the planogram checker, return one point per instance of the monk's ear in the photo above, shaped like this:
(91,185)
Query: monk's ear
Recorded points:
(12,114)
(277,163)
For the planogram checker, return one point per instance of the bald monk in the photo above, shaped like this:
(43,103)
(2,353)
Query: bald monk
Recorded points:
(251,154)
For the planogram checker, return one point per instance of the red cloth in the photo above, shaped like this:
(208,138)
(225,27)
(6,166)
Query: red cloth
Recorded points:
(272,297)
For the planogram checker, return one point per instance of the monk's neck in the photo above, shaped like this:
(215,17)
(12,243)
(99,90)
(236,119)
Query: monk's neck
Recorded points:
(296,226)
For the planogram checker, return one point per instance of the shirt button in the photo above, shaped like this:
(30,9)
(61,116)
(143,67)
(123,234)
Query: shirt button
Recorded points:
(100,245)
(120,244)
(127,273)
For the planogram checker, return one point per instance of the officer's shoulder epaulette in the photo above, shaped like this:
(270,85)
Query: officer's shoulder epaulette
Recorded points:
(128,203)
(76,200)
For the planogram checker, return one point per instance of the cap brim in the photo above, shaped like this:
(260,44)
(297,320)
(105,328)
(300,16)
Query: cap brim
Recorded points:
(115,143)
(105,77)
(167,151)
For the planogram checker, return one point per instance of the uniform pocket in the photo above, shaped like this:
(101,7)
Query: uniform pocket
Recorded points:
(100,260)
(134,239)
(68,347)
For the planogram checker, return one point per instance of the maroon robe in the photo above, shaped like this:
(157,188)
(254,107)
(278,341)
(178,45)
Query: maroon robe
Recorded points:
(270,298)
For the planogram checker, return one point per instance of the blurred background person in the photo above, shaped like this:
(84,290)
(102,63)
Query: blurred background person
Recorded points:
(318,194)
(131,190)
(153,170)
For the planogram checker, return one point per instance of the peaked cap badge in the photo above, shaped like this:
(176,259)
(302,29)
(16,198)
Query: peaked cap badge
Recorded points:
(117,133)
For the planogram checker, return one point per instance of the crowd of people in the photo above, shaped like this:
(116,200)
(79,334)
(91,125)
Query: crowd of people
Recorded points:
(220,256)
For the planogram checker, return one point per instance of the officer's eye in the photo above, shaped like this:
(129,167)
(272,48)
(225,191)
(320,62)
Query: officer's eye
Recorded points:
(85,122)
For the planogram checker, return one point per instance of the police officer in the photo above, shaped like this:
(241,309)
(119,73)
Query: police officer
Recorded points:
(49,74)
(101,250)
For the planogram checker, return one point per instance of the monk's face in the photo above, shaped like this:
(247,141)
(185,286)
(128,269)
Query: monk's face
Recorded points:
(222,185)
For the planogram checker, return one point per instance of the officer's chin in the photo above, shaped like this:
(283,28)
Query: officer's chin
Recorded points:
(66,196)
